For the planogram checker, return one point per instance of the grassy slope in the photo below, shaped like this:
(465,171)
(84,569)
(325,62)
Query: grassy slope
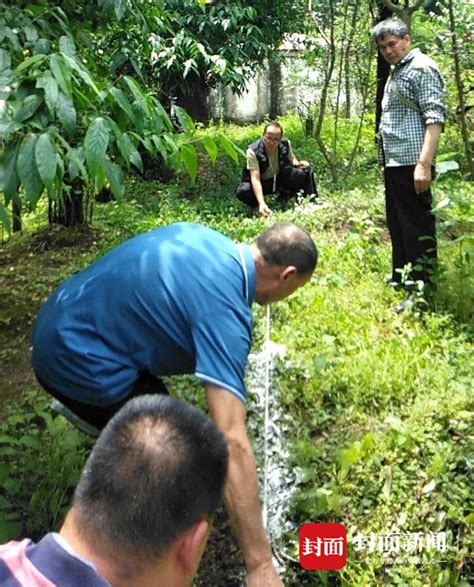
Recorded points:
(377,403)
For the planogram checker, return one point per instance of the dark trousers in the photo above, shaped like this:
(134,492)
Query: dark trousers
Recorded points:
(411,224)
(98,416)
(289,182)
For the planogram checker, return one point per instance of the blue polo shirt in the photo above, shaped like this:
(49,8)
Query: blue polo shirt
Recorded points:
(173,300)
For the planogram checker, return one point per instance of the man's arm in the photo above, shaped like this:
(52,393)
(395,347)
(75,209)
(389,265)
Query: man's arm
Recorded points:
(422,174)
(258,192)
(242,493)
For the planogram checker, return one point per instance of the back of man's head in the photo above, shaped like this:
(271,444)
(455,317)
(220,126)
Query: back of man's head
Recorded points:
(158,467)
(285,244)
(390,26)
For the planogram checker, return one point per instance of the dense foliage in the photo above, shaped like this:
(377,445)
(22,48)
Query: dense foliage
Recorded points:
(376,407)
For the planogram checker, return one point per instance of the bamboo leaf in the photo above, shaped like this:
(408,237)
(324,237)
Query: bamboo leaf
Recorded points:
(189,159)
(96,143)
(46,161)
(28,171)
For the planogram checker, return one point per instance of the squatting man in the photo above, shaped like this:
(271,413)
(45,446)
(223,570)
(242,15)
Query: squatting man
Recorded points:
(174,300)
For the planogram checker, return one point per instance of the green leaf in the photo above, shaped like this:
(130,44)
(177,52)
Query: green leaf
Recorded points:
(138,94)
(7,128)
(232,150)
(211,148)
(184,120)
(189,159)
(5,60)
(50,87)
(9,530)
(115,178)
(27,170)
(9,180)
(129,151)
(61,73)
(66,113)
(66,46)
(29,106)
(123,102)
(82,71)
(46,162)
(445,166)
(96,143)
(119,7)
(33,60)
(5,218)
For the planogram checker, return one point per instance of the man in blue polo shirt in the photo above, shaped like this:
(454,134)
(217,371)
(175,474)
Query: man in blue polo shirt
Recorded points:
(170,301)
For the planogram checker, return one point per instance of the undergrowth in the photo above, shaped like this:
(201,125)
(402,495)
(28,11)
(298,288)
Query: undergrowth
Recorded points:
(379,404)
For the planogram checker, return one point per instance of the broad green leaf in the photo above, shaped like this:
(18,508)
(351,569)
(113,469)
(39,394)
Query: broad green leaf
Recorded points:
(61,73)
(66,46)
(123,102)
(50,86)
(96,143)
(184,120)
(41,47)
(75,160)
(443,203)
(31,33)
(46,162)
(189,159)
(82,71)
(129,151)
(7,128)
(27,170)
(445,166)
(115,178)
(137,93)
(232,150)
(66,113)
(119,7)
(211,148)
(9,180)
(5,60)
(29,106)
(5,218)
(33,60)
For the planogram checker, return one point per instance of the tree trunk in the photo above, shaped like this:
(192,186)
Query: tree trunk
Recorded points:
(460,90)
(383,68)
(275,88)
(16,216)
(75,208)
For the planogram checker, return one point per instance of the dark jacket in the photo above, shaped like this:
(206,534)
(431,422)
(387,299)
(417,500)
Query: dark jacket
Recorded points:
(259,149)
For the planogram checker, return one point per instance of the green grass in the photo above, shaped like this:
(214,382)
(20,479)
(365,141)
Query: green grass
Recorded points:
(379,405)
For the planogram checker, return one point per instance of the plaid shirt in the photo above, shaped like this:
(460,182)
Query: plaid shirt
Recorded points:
(402,128)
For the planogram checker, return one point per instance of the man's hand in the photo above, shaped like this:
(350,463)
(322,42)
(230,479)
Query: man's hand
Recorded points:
(264,210)
(422,177)
(303,164)
(264,576)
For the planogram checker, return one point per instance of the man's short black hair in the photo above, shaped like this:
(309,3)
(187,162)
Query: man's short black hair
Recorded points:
(275,124)
(285,244)
(390,26)
(158,467)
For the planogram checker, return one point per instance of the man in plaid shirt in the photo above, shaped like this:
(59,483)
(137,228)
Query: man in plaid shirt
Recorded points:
(411,123)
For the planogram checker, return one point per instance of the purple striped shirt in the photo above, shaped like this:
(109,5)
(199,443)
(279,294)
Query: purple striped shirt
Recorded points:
(46,564)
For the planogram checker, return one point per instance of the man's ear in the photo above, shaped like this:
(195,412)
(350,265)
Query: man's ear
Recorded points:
(191,546)
(288,272)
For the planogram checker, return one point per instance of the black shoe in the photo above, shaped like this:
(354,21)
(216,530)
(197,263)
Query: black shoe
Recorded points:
(405,304)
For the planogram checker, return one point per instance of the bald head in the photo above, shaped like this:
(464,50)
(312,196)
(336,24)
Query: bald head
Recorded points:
(286,244)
